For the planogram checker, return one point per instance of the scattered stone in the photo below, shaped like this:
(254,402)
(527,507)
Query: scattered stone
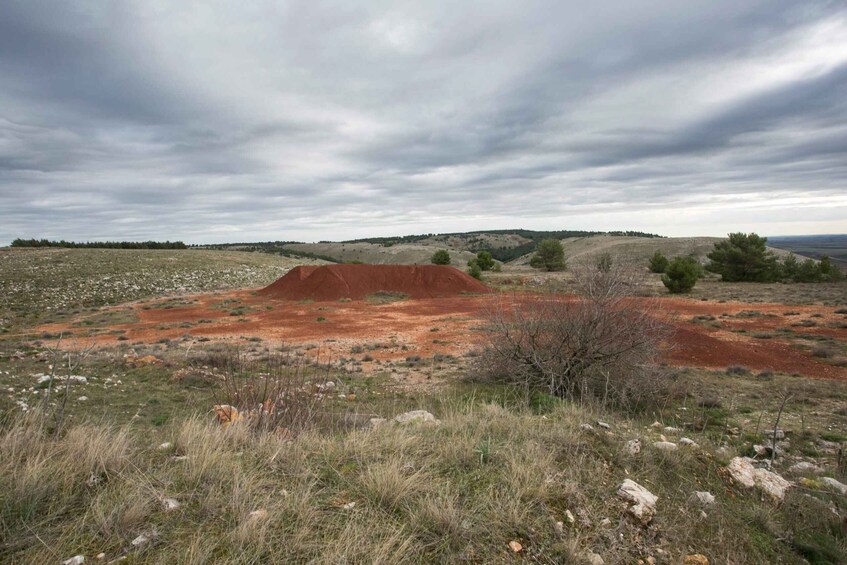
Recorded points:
(702,499)
(665,446)
(259,514)
(416,416)
(142,540)
(375,423)
(75,560)
(657,425)
(642,501)
(100,556)
(594,558)
(170,504)
(515,546)
(780,434)
(633,446)
(604,425)
(837,485)
(741,469)
(82,398)
(559,527)
(587,427)
(167,446)
(349,506)
(671,430)
(688,442)
(805,467)
(605,522)
(569,517)
(695,559)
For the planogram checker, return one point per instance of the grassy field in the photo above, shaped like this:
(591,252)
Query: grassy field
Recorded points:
(141,469)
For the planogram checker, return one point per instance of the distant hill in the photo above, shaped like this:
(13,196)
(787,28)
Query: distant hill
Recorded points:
(815,246)
(635,250)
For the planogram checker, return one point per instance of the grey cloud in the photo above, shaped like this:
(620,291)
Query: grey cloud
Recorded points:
(325,120)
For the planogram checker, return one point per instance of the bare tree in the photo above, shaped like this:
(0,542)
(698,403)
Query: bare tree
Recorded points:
(599,342)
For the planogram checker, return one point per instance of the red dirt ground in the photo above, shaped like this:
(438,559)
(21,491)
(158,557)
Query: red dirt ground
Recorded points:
(334,282)
(450,326)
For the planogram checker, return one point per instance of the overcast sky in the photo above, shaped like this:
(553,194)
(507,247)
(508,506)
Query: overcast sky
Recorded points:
(213,121)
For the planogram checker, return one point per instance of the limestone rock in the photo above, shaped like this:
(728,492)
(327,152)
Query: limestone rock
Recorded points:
(837,485)
(805,467)
(75,560)
(416,416)
(642,502)
(688,442)
(695,559)
(665,446)
(742,471)
(702,499)
(633,446)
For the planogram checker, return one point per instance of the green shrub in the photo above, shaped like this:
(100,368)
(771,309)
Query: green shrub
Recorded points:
(441,257)
(474,270)
(549,256)
(658,263)
(682,274)
(744,257)
(485,261)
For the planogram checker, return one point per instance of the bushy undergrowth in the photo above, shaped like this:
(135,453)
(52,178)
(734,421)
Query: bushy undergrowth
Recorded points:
(459,491)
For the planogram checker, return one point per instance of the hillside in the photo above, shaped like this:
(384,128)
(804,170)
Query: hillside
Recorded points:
(399,254)
(635,250)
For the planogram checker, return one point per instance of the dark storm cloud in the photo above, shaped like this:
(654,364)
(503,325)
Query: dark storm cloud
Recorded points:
(319,120)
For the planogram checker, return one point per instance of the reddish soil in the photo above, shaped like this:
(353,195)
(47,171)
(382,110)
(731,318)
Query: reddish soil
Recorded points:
(707,334)
(334,282)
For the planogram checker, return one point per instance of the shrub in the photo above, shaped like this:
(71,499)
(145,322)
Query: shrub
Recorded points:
(598,345)
(549,256)
(658,263)
(743,257)
(681,274)
(441,257)
(474,270)
(485,261)
(604,263)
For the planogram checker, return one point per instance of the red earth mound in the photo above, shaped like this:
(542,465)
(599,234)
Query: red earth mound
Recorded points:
(334,282)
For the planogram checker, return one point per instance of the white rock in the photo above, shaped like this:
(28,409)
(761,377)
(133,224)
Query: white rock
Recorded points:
(587,427)
(671,430)
(417,416)
(665,446)
(375,423)
(633,446)
(604,425)
(82,398)
(140,541)
(656,425)
(259,514)
(780,434)
(75,560)
(100,556)
(839,486)
(594,558)
(687,442)
(349,506)
(605,522)
(642,501)
(702,499)
(170,504)
(805,467)
(742,471)
(569,517)
(165,446)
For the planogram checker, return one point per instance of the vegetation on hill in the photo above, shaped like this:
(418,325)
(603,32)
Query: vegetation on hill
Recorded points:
(745,258)
(441,257)
(681,274)
(550,256)
(99,244)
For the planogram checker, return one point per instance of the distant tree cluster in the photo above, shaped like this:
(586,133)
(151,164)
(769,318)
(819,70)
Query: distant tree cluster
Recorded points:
(745,258)
(100,244)
(482,262)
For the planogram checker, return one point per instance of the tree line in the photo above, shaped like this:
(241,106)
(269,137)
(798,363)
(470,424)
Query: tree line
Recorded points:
(99,244)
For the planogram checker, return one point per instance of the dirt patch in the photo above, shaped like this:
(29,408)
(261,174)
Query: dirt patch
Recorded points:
(450,326)
(335,282)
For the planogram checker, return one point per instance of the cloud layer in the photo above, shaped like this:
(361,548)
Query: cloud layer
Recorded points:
(209,122)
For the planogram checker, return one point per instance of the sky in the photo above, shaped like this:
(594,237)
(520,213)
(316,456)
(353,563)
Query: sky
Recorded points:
(210,121)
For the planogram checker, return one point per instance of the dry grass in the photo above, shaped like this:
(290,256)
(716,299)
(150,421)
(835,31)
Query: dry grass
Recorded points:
(462,490)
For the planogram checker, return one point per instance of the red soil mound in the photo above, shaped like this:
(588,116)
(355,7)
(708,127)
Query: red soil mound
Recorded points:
(333,282)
